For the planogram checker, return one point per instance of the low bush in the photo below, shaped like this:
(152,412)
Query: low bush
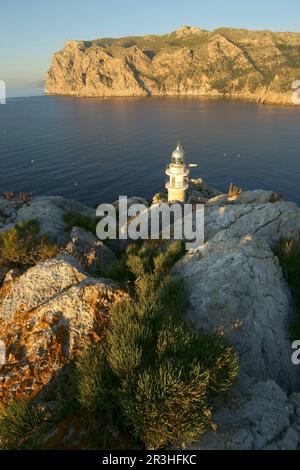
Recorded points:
(288,253)
(23,246)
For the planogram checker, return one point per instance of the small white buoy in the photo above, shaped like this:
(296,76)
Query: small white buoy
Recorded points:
(75,184)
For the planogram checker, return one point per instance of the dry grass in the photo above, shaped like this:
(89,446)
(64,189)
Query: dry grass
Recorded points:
(234,191)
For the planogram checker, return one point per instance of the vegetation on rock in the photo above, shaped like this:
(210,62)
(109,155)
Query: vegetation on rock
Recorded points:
(78,220)
(20,421)
(22,246)
(151,371)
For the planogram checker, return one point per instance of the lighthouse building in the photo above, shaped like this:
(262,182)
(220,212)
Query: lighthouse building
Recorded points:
(177,176)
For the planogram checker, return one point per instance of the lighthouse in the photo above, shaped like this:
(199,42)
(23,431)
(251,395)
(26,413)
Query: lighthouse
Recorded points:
(177,176)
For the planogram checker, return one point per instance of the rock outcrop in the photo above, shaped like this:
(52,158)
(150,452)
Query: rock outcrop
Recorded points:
(236,288)
(255,65)
(48,315)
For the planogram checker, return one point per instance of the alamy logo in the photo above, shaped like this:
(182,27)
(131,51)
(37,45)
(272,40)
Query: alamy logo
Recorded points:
(296,354)
(160,221)
(296,94)
(2,92)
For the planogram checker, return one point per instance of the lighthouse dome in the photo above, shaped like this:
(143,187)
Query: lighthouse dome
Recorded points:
(178,154)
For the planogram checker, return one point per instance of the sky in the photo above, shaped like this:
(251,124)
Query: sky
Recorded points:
(31,30)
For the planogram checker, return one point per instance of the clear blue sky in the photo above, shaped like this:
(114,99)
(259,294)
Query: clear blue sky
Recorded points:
(31,30)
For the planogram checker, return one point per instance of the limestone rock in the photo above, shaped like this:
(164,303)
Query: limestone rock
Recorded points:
(6,227)
(50,211)
(260,416)
(8,209)
(90,251)
(40,284)
(51,313)
(236,289)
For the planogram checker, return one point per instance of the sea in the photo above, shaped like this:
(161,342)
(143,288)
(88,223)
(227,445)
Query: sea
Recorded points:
(94,150)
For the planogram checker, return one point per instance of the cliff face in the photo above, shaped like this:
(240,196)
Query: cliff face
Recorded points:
(258,65)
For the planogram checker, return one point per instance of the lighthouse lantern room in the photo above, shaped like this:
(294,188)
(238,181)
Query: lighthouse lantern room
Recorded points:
(177,176)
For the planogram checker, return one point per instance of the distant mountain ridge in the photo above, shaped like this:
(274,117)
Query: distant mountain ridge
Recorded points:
(255,65)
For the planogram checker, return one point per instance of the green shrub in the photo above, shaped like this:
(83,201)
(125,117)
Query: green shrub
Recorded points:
(77,220)
(142,258)
(164,261)
(153,256)
(288,252)
(20,421)
(116,270)
(165,405)
(23,246)
(93,378)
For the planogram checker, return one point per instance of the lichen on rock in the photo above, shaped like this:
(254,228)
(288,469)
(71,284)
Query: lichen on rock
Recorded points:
(49,314)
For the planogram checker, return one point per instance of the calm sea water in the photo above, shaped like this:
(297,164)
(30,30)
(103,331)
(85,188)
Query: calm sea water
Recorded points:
(94,150)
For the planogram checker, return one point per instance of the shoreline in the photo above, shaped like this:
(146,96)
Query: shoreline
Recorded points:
(241,99)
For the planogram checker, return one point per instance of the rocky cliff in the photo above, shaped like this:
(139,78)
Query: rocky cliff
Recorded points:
(255,65)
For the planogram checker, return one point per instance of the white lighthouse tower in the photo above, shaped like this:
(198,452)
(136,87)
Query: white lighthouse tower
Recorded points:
(178,176)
